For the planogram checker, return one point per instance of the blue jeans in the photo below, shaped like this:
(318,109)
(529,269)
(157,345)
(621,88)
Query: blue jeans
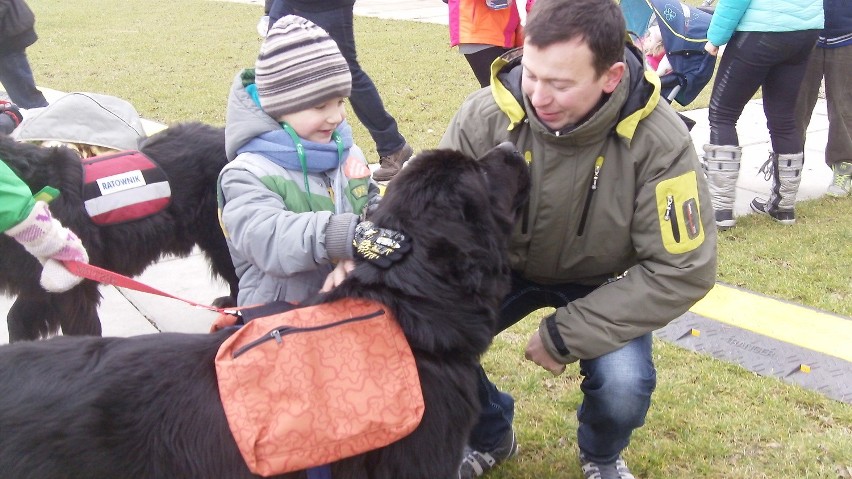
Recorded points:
(365,99)
(616,387)
(775,61)
(17,79)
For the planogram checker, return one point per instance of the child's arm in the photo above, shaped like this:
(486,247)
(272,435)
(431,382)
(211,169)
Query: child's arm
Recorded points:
(276,240)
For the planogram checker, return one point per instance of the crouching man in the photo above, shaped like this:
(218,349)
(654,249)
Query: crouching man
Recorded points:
(618,236)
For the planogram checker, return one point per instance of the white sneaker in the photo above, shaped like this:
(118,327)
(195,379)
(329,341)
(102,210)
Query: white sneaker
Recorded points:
(841,182)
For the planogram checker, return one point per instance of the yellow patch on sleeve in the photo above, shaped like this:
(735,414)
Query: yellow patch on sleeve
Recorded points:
(678,211)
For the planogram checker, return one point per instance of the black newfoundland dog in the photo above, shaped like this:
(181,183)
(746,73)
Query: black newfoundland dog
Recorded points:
(190,154)
(148,407)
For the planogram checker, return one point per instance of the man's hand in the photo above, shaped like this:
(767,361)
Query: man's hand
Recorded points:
(337,275)
(536,353)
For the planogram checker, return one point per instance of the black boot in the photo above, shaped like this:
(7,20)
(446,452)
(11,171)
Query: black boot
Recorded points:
(786,174)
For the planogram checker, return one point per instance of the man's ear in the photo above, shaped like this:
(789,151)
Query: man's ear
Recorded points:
(613,76)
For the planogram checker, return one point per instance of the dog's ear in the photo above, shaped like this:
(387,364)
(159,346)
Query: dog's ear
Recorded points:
(508,180)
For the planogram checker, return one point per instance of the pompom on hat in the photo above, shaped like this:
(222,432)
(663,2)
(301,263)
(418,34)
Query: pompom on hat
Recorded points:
(299,67)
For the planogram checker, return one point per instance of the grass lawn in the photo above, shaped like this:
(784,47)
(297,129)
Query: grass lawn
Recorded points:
(174,61)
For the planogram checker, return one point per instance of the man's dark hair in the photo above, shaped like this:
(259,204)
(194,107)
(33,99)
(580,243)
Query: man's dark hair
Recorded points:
(600,23)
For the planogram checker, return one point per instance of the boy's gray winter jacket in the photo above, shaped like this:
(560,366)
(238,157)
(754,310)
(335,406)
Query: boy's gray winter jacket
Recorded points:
(283,244)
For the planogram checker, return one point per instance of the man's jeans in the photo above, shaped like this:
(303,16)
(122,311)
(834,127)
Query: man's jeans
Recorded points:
(17,79)
(365,99)
(616,387)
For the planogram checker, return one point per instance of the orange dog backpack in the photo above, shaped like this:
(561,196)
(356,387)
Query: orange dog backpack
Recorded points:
(314,385)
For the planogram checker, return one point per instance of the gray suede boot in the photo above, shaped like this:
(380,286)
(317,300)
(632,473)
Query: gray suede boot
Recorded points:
(722,166)
(786,174)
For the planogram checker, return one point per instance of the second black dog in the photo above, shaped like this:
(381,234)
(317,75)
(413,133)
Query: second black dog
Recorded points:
(191,155)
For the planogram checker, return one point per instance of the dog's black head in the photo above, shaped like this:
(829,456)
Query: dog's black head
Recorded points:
(459,213)
(37,166)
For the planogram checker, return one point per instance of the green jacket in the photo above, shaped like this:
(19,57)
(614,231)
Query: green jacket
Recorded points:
(628,235)
(16,199)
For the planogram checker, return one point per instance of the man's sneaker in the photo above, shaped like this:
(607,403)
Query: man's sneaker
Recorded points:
(841,183)
(390,165)
(725,219)
(477,463)
(783,217)
(615,470)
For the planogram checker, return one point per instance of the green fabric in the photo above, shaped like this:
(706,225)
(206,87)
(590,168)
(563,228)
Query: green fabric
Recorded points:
(357,192)
(294,198)
(247,77)
(16,199)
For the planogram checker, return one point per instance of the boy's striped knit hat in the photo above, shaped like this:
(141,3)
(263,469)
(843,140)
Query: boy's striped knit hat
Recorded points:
(299,67)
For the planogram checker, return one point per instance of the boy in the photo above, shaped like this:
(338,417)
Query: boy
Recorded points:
(291,197)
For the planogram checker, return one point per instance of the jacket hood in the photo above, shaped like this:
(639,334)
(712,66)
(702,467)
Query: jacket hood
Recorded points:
(643,90)
(244,119)
(86,118)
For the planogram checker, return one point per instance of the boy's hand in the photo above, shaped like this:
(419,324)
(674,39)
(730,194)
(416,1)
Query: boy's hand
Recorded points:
(337,275)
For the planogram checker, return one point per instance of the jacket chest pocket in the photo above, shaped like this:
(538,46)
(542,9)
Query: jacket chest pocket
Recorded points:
(678,211)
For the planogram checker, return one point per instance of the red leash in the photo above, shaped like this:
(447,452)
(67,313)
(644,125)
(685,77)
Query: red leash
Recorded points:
(104,276)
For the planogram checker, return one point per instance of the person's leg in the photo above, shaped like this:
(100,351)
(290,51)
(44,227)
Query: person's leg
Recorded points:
(791,51)
(16,76)
(782,84)
(737,80)
(277,9)
(480,63)
(617,392)
(809,91)
(495,420)
(838,95)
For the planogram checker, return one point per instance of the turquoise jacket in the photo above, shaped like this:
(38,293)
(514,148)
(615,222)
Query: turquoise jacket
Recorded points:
(763,16)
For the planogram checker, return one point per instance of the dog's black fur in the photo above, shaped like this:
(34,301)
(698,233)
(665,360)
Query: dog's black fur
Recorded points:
(147,407)
(192,154)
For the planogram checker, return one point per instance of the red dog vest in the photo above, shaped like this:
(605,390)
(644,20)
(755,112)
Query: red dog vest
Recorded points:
(124,186)
(314,385)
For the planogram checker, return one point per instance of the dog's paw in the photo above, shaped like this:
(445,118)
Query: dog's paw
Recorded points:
(224,302)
